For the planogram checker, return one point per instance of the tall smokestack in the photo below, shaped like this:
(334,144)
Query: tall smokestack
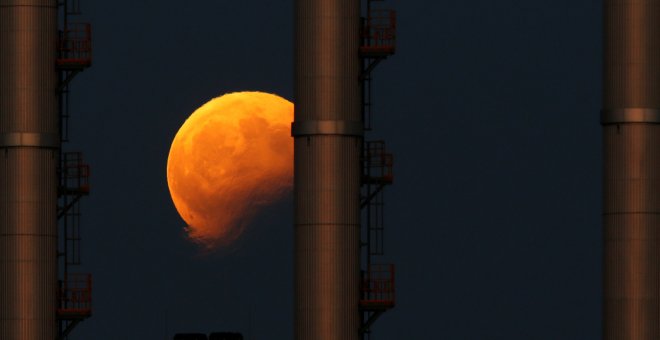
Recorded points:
(327,133)
(631,169)
(29,141)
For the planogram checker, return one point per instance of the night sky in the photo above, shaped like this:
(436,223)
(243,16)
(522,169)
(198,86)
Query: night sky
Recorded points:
(490,108)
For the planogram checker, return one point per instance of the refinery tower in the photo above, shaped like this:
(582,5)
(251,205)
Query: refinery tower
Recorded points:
(631,169)
(41,51)
(339,176)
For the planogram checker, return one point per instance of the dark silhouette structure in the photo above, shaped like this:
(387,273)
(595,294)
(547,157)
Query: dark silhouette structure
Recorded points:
(40,53)
(631,169)
(338,176)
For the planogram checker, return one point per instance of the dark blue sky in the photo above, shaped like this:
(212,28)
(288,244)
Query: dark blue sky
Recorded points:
(491,110)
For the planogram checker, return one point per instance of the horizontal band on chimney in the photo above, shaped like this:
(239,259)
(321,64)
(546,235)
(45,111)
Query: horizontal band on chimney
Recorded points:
(327,127)
(40,140)
(630,115)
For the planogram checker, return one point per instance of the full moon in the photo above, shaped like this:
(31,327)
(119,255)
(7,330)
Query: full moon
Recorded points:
(231,157)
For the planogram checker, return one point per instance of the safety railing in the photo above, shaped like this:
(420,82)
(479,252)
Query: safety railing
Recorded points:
(75,46)
(378,287)
(75,296)
(379,33)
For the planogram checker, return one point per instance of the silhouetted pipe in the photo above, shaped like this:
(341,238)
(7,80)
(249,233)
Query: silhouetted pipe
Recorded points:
(327,133)
(631,170)
(29,142)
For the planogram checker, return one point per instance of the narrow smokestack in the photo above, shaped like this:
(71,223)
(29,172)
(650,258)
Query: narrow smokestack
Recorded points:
(29,144)
(631,169)
(327,133)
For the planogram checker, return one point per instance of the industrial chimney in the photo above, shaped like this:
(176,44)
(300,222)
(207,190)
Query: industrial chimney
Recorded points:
(327,131)
(631,170)
(29,154)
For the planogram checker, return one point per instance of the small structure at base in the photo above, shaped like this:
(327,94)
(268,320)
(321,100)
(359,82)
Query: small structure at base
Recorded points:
(190,336)
(225,336)
(212,336)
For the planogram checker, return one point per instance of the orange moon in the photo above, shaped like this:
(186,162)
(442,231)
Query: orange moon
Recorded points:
(232,156)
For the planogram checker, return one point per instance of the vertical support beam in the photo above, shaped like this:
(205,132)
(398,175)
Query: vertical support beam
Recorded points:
(29,142)
(327,133)
(631,170)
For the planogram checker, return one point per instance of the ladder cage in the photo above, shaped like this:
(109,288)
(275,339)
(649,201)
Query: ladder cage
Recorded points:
(75,172)
(64,112)
(378,163)
(376,225)
(72,236)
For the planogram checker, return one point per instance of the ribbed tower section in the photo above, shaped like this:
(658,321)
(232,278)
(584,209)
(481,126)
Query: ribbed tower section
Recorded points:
(631,142)
(327,133)
(28,169)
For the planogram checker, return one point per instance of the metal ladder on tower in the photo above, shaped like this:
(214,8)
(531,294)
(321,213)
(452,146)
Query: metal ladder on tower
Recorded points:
(74,289)
(377,284)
